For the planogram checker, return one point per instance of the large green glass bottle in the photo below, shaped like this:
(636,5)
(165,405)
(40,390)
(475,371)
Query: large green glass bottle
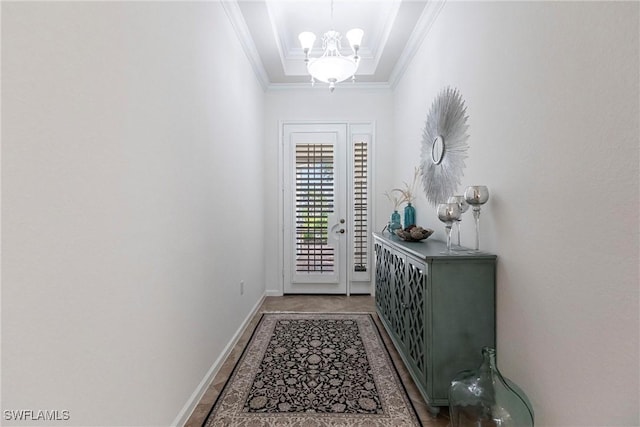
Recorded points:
(483,398)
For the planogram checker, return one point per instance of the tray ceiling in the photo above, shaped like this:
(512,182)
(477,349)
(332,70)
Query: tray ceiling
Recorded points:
(268,30)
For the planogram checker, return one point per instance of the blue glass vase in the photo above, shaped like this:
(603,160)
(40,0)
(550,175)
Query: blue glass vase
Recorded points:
(409,215)
(394,223)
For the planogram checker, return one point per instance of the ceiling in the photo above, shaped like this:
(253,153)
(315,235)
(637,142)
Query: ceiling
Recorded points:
(268,30)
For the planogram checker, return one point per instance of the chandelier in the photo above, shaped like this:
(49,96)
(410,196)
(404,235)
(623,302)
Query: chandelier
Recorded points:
(332,67)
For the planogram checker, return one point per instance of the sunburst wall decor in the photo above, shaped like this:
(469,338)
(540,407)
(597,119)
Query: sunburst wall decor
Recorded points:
(444,146)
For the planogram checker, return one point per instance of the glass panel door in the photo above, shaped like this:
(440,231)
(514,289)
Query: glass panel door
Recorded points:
(315,225)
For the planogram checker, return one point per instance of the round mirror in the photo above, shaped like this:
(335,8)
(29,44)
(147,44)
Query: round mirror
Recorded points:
(437,150)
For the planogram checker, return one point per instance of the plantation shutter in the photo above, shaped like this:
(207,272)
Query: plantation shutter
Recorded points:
(360,206)
(314,201)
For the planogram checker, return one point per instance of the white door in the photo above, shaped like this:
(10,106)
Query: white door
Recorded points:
(325,207)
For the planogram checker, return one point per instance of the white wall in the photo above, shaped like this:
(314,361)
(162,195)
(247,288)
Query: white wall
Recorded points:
(551,90)
(318,104)
(131,195)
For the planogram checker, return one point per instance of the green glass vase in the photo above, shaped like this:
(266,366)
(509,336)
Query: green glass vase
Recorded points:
(484,398)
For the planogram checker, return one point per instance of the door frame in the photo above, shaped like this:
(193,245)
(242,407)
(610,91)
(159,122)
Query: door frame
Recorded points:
(354,127)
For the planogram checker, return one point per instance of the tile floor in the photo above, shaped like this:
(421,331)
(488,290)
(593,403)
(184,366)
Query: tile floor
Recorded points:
(313,303)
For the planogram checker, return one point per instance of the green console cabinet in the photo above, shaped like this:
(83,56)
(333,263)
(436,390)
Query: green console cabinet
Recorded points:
(439,309)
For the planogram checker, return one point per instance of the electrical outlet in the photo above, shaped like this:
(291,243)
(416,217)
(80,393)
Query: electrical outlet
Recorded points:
(241,287)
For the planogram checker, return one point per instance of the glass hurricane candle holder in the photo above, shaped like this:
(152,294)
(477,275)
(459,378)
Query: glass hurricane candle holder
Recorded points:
(448,213)
(476,196)
(464,206)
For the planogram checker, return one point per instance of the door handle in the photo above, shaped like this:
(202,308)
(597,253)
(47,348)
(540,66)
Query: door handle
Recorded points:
(341,231)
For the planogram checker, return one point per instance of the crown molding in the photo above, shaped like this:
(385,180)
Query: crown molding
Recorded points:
(232,9)
(378,47)
(423,26)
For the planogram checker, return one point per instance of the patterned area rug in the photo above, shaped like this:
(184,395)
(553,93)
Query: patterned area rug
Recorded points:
(314,369)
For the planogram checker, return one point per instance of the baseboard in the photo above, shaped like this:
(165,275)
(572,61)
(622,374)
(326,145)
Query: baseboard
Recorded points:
(183,416)
(272,293)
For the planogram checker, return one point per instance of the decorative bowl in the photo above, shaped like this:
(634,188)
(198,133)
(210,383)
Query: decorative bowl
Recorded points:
(414,234)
